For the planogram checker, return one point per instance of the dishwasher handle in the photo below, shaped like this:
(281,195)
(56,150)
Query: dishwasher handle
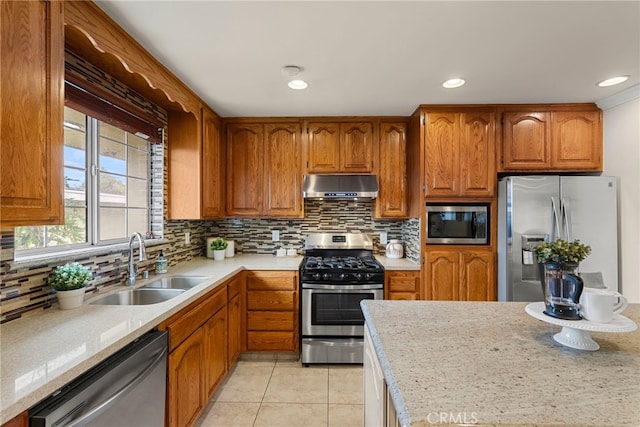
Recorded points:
(120,393)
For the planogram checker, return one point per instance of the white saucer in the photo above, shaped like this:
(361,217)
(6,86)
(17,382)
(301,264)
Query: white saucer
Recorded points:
(575,333)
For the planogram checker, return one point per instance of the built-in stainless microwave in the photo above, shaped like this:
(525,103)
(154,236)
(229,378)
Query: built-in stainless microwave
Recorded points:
(457,224)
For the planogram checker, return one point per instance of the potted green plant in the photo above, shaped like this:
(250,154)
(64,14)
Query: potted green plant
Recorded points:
(69,282)
(218,246)
(562,252)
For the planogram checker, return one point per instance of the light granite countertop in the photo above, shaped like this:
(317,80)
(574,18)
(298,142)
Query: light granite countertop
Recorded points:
(490,363)
(397,263)
(41,353)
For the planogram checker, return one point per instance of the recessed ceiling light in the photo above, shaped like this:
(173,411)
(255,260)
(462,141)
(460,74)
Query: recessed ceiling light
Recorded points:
(453,83)
(613,81)
(298,84)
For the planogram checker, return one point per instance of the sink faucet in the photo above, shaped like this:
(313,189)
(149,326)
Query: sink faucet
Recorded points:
(142,256)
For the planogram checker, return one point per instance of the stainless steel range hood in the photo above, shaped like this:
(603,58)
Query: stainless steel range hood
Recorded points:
(340,187)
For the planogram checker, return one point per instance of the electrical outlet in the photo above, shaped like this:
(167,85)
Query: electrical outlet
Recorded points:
(275,235)
(383,237)
(187,237)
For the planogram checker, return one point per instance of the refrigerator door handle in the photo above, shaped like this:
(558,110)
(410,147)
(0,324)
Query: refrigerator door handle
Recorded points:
(566,220)
(555,227)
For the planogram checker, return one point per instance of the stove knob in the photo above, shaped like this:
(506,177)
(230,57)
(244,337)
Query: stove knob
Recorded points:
(368,276)
(325,276)
(343,276)
(316,276)
(358,276)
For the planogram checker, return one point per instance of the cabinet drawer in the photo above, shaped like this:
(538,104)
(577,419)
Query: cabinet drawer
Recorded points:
(271,320)
(272,341)
(272,280)
(187,321)
(271,300)
(402,282)
(233,287)
(409,296)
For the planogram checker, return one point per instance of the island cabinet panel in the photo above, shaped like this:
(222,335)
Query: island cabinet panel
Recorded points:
(338,147)
(31,113)
(198,358)
(565,138)
(264,169)
(272,311)
(391,170)
(460,275)
(402,285)
(460,154)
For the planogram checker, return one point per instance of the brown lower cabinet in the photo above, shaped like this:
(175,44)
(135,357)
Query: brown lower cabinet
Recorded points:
(21,420)
(197,356)
(402,285)
(235,290)
(460,275)
(272,311)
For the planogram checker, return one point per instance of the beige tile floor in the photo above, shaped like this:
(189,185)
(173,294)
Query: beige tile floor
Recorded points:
(283,393)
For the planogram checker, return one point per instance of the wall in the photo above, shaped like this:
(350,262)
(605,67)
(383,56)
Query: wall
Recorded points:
(253,236)
(622,159)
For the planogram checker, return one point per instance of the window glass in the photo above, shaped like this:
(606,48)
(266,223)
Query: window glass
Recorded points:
(119,188)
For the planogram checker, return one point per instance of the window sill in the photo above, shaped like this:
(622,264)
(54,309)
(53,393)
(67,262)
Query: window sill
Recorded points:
(74,254)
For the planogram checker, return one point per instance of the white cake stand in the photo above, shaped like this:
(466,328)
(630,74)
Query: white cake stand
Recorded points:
(575,333)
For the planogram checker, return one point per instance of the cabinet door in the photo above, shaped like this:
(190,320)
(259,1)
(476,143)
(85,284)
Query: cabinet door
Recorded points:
(244,177)
(282,177)
(526,140)
(392,171)
(576,140)
(185,388)
(213,167)
(477,276)
(442,156)
(235,328)
(322,151)
(477,154)
(21,420)
(443,275)
(215,346)
(356,147)
(31,113)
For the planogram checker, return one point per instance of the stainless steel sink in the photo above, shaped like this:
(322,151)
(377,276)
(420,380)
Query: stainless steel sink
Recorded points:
(176,282)
(140,296)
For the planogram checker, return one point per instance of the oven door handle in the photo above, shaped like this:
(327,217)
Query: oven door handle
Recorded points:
(342,287)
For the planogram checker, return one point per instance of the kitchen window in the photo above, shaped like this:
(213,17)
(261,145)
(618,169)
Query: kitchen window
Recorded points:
(107,181)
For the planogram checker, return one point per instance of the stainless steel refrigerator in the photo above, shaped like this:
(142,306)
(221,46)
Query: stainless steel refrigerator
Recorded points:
(532,209)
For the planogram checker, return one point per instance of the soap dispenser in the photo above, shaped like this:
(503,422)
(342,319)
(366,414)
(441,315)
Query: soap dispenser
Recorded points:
(161,264)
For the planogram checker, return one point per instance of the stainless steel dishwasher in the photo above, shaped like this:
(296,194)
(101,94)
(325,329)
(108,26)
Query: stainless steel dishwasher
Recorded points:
(127,389)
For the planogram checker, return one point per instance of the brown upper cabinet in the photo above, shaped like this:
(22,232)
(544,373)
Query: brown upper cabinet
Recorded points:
(563,140)
(339,147)
(196,166)
(31,113)
(264,177)
(460,153)
(392,170)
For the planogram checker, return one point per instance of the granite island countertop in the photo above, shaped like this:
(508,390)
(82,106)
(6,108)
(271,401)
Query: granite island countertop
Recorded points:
(490,363)
(41,353)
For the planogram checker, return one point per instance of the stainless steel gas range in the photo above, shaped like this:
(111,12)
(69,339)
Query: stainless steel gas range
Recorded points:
(338,271)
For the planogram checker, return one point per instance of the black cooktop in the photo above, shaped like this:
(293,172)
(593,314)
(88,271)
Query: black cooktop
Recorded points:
(341,269)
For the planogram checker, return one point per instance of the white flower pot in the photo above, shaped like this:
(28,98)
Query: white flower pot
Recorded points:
(218,255)
(70,299)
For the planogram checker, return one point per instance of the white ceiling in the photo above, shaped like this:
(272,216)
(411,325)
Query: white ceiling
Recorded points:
(387,57)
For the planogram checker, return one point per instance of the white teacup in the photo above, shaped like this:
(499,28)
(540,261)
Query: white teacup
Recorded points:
(599,305)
